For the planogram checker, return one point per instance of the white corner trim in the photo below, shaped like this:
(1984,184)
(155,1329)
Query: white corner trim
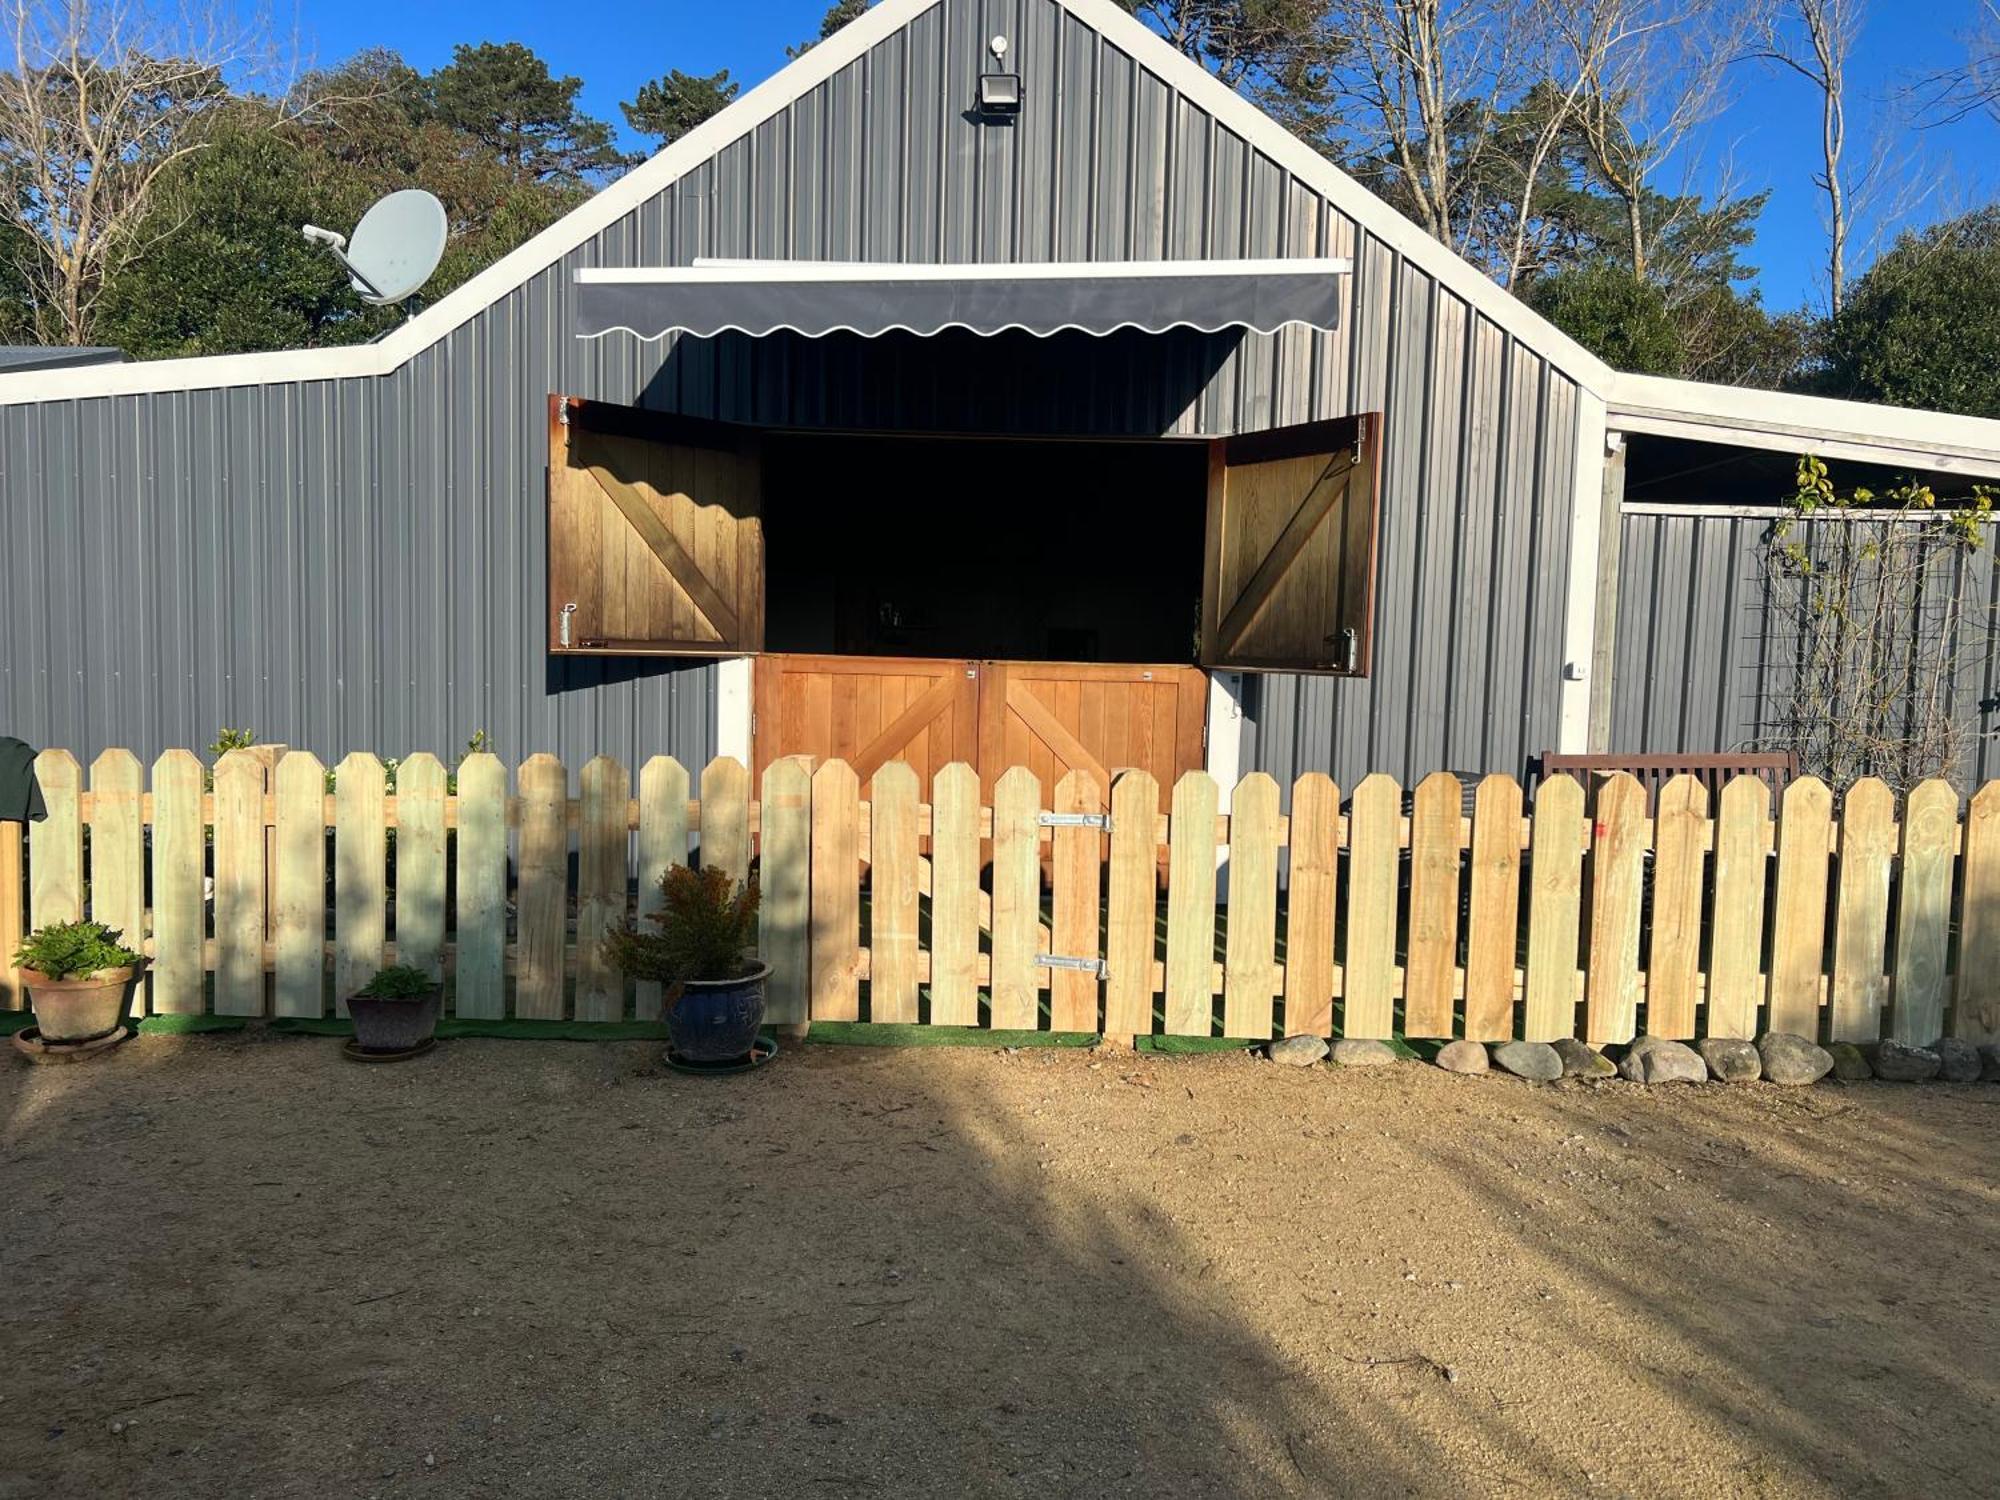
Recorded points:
(733,701)
(1586,525)
(1224,759)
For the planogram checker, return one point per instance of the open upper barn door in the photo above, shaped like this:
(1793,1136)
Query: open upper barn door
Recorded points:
(1289,584)
(656,533)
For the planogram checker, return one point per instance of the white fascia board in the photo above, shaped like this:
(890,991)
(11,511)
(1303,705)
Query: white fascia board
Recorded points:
(1450,270)
(1776,421)
(715,271)
(1586,525)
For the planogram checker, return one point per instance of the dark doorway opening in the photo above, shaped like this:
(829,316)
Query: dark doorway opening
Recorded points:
(1008,549)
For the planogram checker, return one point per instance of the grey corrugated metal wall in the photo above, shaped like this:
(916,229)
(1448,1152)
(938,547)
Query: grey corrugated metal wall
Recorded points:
(1702,662)
(359,563)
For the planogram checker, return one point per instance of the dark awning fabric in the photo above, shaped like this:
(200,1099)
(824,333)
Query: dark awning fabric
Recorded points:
(814,299)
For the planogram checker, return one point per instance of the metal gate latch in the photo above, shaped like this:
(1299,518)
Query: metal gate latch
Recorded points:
(1075,820)
(1057,961)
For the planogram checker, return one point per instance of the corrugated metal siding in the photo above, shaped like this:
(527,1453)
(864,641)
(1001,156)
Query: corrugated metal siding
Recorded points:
(1701,661)
(359,563)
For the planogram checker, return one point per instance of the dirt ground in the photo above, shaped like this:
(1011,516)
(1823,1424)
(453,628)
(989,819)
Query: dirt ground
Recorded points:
(240,1266)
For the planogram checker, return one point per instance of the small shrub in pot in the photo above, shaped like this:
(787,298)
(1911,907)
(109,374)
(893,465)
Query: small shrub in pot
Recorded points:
(397,1010)
(79,978)
(704,952)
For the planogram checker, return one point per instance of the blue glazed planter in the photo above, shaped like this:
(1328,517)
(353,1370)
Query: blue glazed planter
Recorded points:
(716,1020)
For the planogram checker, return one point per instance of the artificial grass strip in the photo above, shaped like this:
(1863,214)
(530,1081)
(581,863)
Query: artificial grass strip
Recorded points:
(516,1030)
(12,1021)
(1190,1045)
(902,1034)
(166,1025)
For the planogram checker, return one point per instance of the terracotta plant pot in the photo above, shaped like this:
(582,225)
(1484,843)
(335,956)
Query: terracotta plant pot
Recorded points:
(382,1025)
(79,1009)
(716,1020)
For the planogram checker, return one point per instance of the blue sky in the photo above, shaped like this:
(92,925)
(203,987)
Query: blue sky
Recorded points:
(1769,137)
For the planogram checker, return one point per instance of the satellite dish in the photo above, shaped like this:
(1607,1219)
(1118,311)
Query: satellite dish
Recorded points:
(395,247)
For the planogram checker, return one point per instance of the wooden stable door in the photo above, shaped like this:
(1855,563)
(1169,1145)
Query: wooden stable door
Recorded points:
(656,541)
(1051,717)
(867,711)
(1289,581)
(1054,717)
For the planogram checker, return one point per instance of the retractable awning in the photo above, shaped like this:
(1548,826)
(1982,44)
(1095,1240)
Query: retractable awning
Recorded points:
(815,298)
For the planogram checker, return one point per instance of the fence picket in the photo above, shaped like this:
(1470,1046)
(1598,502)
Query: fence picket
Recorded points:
(55,845)
(117,854)
(1673,969)
(420,882)
(1191,906)
(1430,969)
(1249,961)
(298,897)
(480,987)
(1976,1006)
(1861,912)
(179,913)
(1076,904)
(540,901)
(1017,891)
(785,881)
(663,841)
(725,817)
(1555,899)
(239,885)
(360,867)
(836,893)
(1798,933)
(1131,922)
(892,891)
(1736,938)
(603,860)
(955,896)
(1492,929)
(1309,906)
(1923,913)
(1374,829)
(1617,883)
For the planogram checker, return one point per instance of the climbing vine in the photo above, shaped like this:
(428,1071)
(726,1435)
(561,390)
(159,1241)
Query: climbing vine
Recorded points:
(1869,595)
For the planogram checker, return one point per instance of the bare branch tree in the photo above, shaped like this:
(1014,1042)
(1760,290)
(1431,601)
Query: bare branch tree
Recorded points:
(1661,75)
(1429,78)
(98,99)
(1973,86)
(1813,39)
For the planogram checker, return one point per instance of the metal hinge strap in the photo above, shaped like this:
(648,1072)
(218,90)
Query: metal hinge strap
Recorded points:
(1075,820)
(1057,961)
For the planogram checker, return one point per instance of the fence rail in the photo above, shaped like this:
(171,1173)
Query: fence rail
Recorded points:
(264,888)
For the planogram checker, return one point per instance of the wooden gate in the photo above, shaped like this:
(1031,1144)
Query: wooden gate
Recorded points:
(1050,716)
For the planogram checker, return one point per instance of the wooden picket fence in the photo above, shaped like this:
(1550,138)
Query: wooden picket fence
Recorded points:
(267,893)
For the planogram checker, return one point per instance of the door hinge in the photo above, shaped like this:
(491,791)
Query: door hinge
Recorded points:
(1058,961)
(1075,820)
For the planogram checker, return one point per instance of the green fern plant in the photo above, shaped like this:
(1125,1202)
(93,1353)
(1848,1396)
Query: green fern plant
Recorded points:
(706,925)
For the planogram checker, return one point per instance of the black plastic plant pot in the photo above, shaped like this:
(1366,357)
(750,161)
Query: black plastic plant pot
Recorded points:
(716,1020)
(382,1025)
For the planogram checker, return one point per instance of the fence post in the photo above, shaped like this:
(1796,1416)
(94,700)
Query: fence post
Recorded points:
(1736,941)
(118,854)
(1310,978)
(480,986)
(1131,925)
(179,840)
(55,845)
(1923,913)
(1799,925)
(603,857)
(1861,912)
(541,903)
(892,887)
(240,861)
(1493,923)
(1555,897)
(1976,1006)
(420,882)
(1249,956)
(12,917)
(836,894)
(1374,857)
(1077,854)
(1617,881)
(1430,971)
(1017,891)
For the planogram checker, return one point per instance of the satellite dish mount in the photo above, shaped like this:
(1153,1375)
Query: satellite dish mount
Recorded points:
(395,248)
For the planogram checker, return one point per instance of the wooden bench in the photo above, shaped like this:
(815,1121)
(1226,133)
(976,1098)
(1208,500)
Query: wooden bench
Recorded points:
(1778,769)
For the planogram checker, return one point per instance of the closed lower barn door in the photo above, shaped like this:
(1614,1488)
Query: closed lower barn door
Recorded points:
(1052,717)
(867,711)
(1055,717)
